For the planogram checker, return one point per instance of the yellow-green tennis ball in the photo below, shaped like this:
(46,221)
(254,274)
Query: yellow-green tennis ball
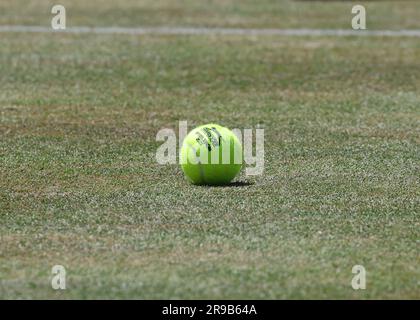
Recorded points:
(211,155)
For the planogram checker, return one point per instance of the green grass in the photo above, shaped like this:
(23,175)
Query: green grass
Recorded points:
(397,14)
(79,184)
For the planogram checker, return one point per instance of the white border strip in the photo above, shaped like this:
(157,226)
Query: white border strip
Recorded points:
(213,31)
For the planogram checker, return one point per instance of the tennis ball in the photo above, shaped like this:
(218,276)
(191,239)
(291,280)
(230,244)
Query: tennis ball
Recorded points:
(211,155)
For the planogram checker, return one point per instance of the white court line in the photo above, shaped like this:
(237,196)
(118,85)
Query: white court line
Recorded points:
(214,31)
